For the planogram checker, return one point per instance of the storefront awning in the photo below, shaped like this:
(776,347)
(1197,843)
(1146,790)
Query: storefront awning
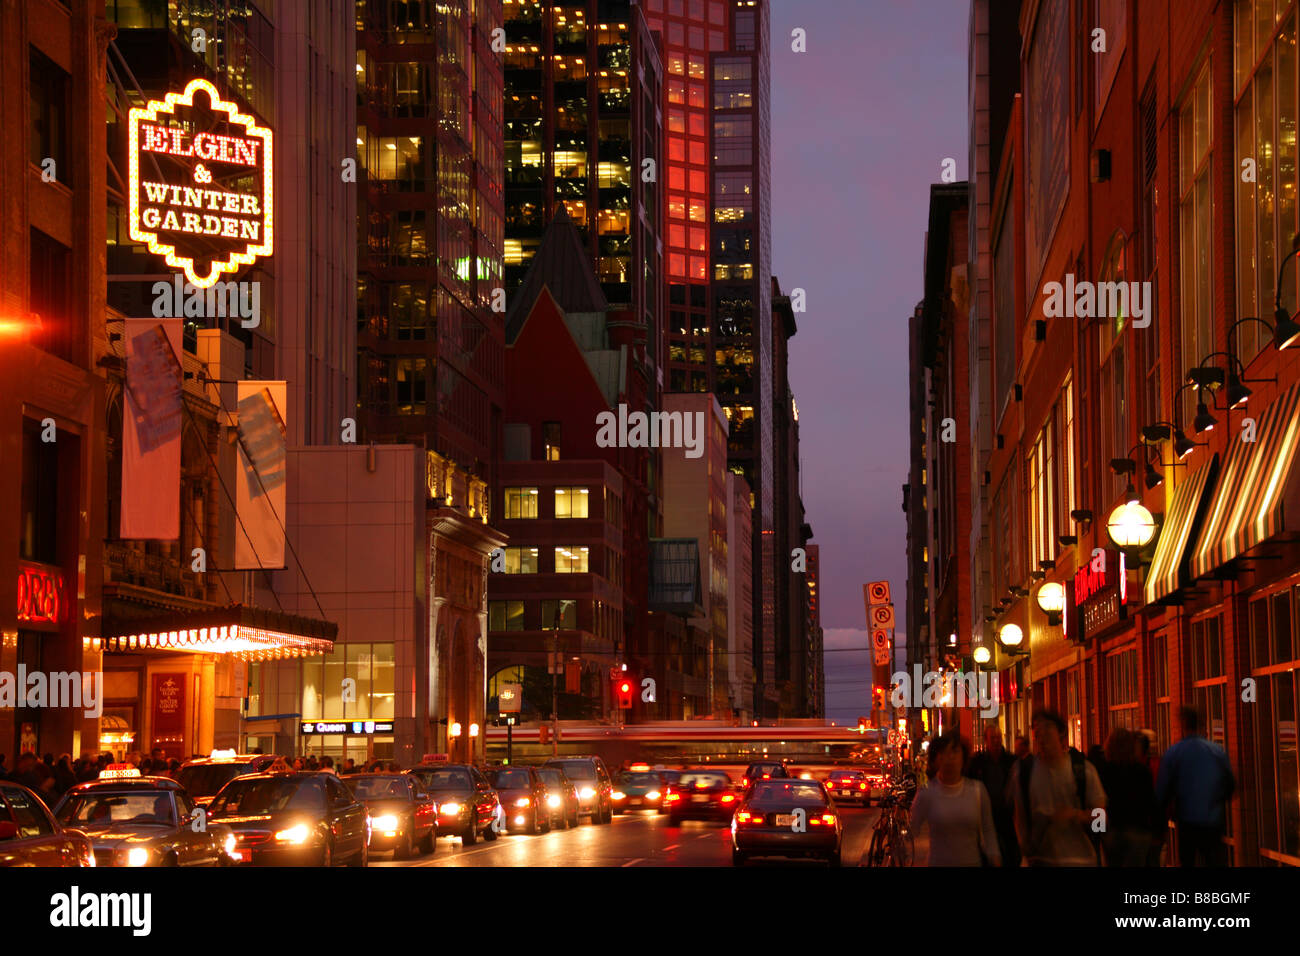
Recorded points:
(252,633)
(1255,488)
(1180,525)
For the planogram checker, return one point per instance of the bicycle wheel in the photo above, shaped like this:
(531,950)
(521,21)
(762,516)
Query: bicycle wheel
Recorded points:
(875,851)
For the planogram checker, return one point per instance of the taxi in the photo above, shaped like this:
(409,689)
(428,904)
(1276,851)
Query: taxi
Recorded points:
(133,820)
(203,777)
(29,836)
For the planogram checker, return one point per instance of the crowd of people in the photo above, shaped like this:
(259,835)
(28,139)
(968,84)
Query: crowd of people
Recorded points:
(1054,806)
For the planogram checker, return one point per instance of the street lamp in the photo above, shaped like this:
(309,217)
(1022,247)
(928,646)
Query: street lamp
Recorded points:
(1051,599)
(981,655)
(455,729)
(1011,636)
(1131,527)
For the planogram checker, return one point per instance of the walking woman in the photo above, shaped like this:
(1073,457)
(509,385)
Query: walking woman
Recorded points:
(956,809)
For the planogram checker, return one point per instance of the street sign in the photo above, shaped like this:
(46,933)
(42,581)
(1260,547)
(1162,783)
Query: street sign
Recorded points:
(877,592)
(880,645)
(510,698)
(882,615)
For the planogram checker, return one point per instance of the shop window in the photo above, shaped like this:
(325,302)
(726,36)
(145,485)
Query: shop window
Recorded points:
(560,614)
(38,532)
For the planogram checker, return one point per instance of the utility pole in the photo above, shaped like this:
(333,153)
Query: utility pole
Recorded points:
(555,681)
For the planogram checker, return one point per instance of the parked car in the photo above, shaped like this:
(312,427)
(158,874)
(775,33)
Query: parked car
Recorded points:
(595,790)
(561,795)
(293,819)
(30,836)
(523,798)
(203,777)
(134,820)
(403,816)
(784,817)
(467,804)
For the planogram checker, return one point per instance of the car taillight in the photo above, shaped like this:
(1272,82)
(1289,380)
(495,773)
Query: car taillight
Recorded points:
(744,816)
(862,786)
(728,798)
(827,818)
(672,797)
(744,781)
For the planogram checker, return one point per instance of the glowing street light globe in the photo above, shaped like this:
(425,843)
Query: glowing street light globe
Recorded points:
(1131,526)
(1051,597)
(981,655)
(1011,635)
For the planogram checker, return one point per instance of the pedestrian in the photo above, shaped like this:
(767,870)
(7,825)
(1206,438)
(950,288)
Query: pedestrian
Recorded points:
(1057,792)
(174,768)
(1196,777)
(64,777)
(1146,745)
(299,765)
(1022,747)
(327,764)
(992,767)
(956,808)
(1130,801)
(349,766)
(312,765)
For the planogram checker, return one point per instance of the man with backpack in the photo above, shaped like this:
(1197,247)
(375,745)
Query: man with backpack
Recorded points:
(1057,792)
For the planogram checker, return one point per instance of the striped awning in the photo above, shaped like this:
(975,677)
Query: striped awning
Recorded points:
(1255,487)
(1179,527)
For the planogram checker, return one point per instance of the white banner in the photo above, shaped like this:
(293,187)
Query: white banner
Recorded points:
(262,481)
(151,431)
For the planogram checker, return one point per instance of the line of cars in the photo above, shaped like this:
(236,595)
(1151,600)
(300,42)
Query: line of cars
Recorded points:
(231,809)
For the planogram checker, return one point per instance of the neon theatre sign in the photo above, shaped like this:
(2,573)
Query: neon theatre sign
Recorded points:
(200,183)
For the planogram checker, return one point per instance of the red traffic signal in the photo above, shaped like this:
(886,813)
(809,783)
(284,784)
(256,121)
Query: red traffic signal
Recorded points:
(623,691)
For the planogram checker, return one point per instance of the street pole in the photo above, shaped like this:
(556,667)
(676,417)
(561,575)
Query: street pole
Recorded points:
(510,741)
(555,688)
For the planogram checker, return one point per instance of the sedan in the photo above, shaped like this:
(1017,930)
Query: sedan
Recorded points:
(638,790)
(849,785)
(523,798)
(792,818)
(467,804)
(144,821)
(29,836)
(402,814)
(561,796)
(293,819)
(701,795)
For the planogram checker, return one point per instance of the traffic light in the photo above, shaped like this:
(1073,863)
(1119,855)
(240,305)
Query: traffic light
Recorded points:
(623,691)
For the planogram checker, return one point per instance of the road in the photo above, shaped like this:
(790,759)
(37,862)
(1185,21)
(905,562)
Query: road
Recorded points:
(633,839)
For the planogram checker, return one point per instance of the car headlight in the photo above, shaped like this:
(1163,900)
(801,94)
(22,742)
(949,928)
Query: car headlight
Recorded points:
(586,793)
(137,856)
(387,822)
(619,795)
(449,808)
(296,834)
(523,802)
(652,795)
(554,801)
(230,844)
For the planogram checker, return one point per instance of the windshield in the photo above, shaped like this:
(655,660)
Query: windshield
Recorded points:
(551,778)
(510,779)
(268,795)
(789,792)
(847,775)
(446,780)
(92,810)
(377,788)
(640,779)
(203,780)
(703,781)
(578,770)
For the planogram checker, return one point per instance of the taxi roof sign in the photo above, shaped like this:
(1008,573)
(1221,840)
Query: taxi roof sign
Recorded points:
(435,758)
(119,771)
(223,754)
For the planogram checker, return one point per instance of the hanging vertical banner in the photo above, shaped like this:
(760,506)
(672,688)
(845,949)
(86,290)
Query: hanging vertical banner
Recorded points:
(151,431)
(260,492)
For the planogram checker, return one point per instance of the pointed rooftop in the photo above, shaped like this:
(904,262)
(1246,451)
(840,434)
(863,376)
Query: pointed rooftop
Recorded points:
(562,266)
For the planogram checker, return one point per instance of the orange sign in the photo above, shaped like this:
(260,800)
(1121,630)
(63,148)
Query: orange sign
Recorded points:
(40,595)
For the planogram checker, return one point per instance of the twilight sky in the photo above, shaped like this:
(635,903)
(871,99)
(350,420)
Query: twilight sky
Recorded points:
(861,123)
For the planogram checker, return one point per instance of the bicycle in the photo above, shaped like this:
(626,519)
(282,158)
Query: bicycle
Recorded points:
(891,839)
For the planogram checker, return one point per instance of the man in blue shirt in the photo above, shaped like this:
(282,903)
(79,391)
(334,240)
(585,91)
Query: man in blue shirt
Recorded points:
(1196,776)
